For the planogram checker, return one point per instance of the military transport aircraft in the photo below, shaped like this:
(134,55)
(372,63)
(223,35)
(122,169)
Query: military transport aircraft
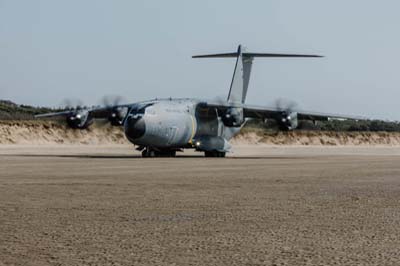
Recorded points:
(161,127)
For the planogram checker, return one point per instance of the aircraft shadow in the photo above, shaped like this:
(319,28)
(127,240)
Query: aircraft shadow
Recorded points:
(88,156)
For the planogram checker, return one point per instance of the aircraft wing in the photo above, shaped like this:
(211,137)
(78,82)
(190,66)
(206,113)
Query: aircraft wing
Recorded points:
(63,113)
(81,118)
(268,112)
(264,112)
(95,112)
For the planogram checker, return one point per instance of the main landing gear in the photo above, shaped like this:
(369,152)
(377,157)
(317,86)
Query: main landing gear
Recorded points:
(214,154)
(148,152)
(151,153)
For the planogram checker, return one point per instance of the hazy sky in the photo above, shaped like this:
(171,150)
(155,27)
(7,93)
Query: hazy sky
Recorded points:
(52,50)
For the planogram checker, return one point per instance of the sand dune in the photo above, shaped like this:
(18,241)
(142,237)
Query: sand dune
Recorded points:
(320,138)
(53,132)
(49,132)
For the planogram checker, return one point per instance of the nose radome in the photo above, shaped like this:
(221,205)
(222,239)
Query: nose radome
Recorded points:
(135,127)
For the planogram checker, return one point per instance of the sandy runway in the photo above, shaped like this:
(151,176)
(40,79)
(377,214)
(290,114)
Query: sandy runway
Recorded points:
(87,205)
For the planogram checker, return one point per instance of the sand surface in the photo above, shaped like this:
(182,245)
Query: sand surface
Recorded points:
(265,205)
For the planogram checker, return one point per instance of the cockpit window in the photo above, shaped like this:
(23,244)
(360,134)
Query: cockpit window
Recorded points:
(140,109)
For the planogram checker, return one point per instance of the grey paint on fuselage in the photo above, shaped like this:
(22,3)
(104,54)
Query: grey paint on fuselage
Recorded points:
(177,123)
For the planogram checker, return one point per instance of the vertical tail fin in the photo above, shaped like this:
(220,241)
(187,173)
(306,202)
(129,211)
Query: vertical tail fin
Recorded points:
(241,78)
(241,74)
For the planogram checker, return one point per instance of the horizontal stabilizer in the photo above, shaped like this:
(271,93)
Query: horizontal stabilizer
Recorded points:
(216,55)
(241,74)
(244,54)
(279,55)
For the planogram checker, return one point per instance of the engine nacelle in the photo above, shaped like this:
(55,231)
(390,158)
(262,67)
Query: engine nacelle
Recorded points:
(79,119)
(117,116)
(288,120)
(233,117)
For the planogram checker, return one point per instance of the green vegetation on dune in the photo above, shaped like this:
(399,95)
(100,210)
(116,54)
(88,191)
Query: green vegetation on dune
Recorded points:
(332,125)
(12,111)
(351,125)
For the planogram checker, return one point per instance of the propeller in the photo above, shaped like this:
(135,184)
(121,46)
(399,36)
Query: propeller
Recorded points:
(79,117)
(72,104)
(287,116)
(232,116)
(285,105)
(112,100)
(117,113)
(220,99)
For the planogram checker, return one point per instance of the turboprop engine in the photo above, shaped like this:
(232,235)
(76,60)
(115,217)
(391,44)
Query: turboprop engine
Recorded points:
(117,116)
(233,117)
(286,117)
(288,120)
(79,119)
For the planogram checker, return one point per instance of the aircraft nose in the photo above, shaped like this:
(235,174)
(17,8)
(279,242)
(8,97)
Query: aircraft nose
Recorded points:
(135,127)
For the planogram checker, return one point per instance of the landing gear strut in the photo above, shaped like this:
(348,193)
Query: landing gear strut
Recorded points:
(151,153)
(214,154)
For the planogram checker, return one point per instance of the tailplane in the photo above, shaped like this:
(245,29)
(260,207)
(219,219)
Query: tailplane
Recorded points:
(241,74)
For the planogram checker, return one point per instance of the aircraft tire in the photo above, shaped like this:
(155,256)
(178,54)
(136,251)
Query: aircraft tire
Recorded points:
(214,154)
(167,153)
(147,153)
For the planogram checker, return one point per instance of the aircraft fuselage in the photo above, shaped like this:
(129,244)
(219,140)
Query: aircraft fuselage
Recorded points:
(176,124)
